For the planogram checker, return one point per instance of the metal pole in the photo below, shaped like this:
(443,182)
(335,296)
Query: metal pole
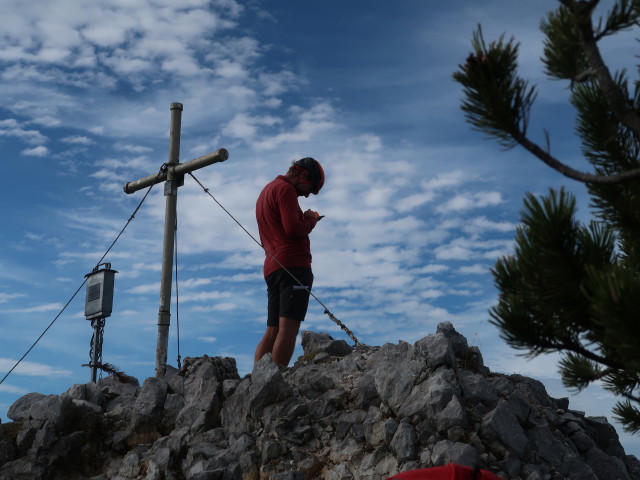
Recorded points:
(219,155)
(171,193)
(96,346)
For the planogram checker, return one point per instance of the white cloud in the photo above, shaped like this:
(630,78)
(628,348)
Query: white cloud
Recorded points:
(242,51)
(139,163)
(46,120)
(103,41)
(77,140)
(433,268)
(542,366)
(12,128)
(488,198)
(125,147)
(47,307)
(443,180)
(145,289)
(204,296)
(278,83)
(5,297)
(194,282)
(482,224)
(208,339)
(453,252)
(32,369)
(222,306)
(246,127)
(372,143)
(12,389)
(40,151)
(378,196)
(414,201)
(105,174)
(470,200)
(311,122)
(477,268)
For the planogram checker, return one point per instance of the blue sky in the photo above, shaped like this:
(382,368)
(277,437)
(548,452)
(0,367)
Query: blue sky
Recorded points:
(418,206)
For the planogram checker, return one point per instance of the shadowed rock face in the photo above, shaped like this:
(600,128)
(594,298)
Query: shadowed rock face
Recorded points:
(338,413)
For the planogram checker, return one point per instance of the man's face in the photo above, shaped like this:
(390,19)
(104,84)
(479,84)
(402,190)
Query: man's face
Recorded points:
(303,184)
(304,189)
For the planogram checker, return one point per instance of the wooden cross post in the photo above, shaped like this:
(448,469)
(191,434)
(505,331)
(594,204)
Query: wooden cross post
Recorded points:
(173,176)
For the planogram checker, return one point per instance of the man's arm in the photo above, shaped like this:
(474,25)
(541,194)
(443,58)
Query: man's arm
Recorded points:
(294,222)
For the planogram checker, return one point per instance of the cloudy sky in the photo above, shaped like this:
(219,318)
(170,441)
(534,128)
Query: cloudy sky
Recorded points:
(418,206)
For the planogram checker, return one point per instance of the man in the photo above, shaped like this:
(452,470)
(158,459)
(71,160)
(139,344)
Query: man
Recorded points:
(284,233)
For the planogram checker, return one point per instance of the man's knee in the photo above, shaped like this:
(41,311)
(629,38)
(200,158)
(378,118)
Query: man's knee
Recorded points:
(271,332)
(289,325)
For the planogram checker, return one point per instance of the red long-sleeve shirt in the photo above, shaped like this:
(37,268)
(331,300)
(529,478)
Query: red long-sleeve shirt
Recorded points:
(284,231)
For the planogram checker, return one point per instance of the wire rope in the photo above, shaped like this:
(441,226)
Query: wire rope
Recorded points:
(177,293)
(162,168)
(326,310)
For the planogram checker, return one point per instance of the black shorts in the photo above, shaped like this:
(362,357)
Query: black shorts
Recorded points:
(286,297)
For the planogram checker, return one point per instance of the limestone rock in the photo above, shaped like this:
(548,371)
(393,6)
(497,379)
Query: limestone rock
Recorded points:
(339,413)
(314,343)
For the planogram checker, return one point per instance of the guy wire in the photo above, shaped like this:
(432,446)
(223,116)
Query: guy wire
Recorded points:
(177,294)
(326,310)
(133,215)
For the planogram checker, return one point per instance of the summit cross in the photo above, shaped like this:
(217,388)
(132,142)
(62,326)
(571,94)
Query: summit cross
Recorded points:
(173,176)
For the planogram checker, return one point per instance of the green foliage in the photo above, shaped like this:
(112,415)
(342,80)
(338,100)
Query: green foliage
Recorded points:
(578,371)
(567,289)
(623,15)
(497,101)
(611,148)
(563,58)
(544,287)
(571,288)
(628,414)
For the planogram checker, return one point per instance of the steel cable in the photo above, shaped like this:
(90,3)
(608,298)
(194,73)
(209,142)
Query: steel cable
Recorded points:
(162,168)
(326,310)
(177,294)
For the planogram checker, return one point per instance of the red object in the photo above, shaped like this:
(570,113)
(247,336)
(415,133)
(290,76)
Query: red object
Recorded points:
(316,173)
(451,471)
(320,181)
(284,230)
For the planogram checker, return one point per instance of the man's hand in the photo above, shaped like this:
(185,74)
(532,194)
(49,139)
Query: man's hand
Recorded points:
(313,214)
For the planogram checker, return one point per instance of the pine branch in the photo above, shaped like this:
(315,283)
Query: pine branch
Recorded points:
(544,344)
(624,14)
(584,76)
(628,415)
(563,58)
(616,100)
(497,101)
(572,173)
(581,5)
(568,288)
(631,397)
(580,350)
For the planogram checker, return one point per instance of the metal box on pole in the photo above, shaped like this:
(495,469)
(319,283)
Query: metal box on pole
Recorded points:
(97,307)
(99,299)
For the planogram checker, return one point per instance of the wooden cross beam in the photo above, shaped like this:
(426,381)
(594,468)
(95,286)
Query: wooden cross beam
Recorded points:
(172,175)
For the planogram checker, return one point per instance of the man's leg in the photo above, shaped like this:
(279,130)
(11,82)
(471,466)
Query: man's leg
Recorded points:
(273,307)
(266,344)
(285,342)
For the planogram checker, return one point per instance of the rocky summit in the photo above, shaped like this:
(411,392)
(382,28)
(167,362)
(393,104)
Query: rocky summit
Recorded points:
(338,413)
